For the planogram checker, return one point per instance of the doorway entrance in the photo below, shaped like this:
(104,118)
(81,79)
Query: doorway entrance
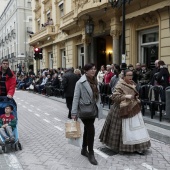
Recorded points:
(103,50)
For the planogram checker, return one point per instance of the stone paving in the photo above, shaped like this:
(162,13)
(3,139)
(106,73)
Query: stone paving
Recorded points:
(42,135)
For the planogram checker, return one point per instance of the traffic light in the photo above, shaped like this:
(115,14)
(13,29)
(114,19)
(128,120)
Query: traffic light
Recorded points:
(38,53)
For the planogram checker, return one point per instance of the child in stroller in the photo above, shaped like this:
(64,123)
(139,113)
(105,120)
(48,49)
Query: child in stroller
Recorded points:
(7,124)
(13,142)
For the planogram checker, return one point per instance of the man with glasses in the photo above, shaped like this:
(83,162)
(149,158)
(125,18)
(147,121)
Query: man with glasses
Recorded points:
(7,80)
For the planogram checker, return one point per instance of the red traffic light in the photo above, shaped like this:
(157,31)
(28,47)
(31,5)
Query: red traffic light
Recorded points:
(36,49)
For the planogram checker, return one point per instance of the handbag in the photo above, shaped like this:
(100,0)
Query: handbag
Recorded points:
(87,110)
(72,129)
(134,130)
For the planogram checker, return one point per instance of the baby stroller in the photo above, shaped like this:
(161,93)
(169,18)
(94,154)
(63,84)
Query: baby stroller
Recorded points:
(4,101)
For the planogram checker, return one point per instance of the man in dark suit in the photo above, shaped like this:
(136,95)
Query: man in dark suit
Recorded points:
(69,81)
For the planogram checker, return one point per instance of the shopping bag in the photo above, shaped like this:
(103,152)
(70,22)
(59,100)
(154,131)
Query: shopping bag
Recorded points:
(76,142)
(31,87)
(134,130)
(72,129)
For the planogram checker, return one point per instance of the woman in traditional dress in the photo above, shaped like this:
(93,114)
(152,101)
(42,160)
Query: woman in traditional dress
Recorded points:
(126,105)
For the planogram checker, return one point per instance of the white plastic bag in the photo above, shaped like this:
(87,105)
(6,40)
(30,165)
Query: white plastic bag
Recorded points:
(31,87)
(76,142)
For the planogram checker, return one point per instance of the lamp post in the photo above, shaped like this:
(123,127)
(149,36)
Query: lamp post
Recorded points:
(117,4)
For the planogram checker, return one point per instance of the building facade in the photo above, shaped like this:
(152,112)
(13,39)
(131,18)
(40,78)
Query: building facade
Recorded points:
(84,31)
(15,22)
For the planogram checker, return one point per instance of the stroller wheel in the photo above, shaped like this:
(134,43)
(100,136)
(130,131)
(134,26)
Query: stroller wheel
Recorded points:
(4,149)
(1,150)
(19,146)
(16,147)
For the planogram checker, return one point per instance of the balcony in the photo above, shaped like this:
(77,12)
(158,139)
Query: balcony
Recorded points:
(89,6)
(67,21)
(42,35)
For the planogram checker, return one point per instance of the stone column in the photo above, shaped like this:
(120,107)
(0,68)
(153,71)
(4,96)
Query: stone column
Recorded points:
(116,48)
(86,41)
(115,32)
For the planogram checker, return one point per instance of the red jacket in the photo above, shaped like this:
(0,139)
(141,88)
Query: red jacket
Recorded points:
(10,82)
(108,77)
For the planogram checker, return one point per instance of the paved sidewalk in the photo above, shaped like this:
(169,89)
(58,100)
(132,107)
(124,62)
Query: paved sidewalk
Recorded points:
(41,133)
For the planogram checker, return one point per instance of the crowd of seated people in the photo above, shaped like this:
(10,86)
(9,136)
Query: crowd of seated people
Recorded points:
(47,82)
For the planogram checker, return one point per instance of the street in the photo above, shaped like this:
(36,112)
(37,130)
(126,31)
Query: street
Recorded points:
(41,124)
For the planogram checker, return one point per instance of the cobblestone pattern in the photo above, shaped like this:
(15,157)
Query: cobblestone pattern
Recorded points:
(45,146)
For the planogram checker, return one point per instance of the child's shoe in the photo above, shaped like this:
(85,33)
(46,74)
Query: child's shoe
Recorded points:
(12,139)
(7,140)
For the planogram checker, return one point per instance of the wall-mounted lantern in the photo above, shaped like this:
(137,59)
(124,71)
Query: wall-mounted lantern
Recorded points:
(89,28)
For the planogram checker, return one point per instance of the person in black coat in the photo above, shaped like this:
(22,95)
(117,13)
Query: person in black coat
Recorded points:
(69,81)
(162,76)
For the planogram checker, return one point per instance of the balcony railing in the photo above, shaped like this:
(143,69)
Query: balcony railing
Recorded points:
(43,34)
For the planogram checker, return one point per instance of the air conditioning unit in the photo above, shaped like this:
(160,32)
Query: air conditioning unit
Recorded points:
(29,1)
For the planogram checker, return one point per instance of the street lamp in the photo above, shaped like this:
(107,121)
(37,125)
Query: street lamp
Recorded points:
(89,28)
(117,4)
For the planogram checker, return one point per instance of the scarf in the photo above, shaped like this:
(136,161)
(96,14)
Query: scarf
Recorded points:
(93,85)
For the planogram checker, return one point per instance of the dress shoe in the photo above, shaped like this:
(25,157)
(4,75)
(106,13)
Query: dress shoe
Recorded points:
(92,159)
(84,152)
(141,152)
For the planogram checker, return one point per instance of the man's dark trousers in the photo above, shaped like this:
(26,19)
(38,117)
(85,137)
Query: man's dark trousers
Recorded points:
(69,101)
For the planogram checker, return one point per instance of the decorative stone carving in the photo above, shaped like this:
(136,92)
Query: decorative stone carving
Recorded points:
(78,40)
(62,44)
(115,33)
(86,39)
(102,25)
(146,20)
(81,3)
(47,6)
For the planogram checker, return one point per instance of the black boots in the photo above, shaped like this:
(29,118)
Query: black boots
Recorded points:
(84,152)
(89,155)
(92,159)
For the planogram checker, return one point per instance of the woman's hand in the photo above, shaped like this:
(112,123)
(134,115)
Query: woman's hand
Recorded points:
(74,117)
(129,96)
(9,96)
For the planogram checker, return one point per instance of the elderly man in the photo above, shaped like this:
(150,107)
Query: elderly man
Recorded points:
(108,74)
(154,72)
(137,73)
(7,80)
